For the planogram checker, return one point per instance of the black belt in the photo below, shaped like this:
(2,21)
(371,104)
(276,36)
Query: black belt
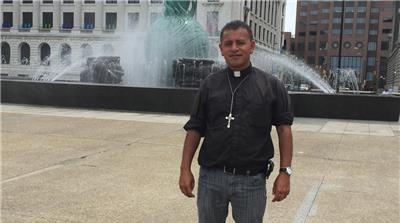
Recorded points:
(242,171)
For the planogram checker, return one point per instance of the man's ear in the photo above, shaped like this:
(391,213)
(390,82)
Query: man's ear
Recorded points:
(220,49)
(253,45)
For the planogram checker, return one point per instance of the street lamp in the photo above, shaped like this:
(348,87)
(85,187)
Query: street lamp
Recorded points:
(340,48)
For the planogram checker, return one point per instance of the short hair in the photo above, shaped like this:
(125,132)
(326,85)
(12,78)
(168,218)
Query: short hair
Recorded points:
(234,25)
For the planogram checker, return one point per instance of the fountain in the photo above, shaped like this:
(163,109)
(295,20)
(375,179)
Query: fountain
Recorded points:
(159,71)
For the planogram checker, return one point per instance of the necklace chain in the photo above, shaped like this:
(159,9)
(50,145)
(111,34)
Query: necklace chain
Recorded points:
(233,91)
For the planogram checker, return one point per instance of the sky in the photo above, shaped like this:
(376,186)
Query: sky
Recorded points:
(290,16)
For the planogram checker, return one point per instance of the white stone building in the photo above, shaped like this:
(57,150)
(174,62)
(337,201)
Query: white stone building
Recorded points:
(50,35)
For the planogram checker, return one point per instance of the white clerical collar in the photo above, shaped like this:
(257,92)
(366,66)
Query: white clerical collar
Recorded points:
(236,73)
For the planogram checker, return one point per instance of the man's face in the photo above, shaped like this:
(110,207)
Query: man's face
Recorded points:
(236,47)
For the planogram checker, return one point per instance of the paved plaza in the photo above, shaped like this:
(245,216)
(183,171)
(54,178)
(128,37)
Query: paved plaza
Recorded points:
(79,165)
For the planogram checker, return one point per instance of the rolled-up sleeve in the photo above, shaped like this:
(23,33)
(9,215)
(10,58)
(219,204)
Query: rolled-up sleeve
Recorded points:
(197,119)
(282,112)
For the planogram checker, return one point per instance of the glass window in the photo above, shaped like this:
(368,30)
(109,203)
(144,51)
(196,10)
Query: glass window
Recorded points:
(371,46)
(325,10)
(47,20)
(156,1)
(65,54)
(361,9)
(348,20)
(303,13)
(27,20)
(303,3)
(336,20)
(314,12)
(323,45)
(371,61)
(385,45)
(111,1)
(373,32)
(133,1)
(310,60)
(88,20)
(7,20)
(312,46)
(360,20)
(386,31)
(302,33)
(360,31)
(47,1)
(300,46)
(337,9)
(335,31)
(323,32)
(312,33)
(5,53)
(7,1)
(68,20)
(68,1)
(349,9)
(25,54)
(89,2)
(133,20)
(374,10)
(111,20)
(347,31)
(324,21)
(45,54)
(27,1)
(373,21)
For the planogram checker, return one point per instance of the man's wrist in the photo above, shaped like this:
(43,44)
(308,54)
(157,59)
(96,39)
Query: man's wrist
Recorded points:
(286,170)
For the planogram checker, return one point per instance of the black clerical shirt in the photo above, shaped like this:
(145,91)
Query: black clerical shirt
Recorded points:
(260,102)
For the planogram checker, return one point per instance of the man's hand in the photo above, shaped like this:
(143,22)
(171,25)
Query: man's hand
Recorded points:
(186,182)
(281,187)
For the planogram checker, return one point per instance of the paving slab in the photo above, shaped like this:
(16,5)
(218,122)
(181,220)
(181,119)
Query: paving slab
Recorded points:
(75,165)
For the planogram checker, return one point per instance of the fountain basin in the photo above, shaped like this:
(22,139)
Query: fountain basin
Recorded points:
(179,100)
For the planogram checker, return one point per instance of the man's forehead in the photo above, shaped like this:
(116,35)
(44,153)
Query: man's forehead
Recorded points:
(239,33)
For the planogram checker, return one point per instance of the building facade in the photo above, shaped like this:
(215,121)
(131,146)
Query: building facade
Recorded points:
(367,27)
(393,75)
(50,35)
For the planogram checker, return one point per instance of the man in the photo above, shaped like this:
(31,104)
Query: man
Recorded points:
(234,111)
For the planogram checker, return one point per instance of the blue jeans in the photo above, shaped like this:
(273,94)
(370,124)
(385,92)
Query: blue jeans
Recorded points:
(216,189)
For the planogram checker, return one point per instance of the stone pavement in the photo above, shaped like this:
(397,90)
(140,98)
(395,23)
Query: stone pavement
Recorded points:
(77,165)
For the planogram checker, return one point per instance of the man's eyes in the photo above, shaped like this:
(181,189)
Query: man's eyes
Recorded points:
(238,43)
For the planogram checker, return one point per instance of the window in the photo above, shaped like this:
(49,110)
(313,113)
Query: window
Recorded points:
(360,31)
(361,9)
(5,53)
(385,45)
(374,10)
(45,54)
(303,3)
(348,20)
(89,2)
(68,20)
(25,54)
(386,31)
(111,20)
(360,20)
(373,21)
(323,32)
(324,21)
(300,46)
(373,32)
(336,20)
(348,9)
(354,63)
(371,61)
(314,12)
(154,16)
(302,33)
(323,45)
(156,1)
(335,31)
(325,11)
(133,20)
(89,20)
(7,20)
(337,9)
(47,20)
(255,30)
(310,60)
(335,45)
(212,23)
(27,1)
(312,46)
(388,20)
(68,1)
(347,31)
(303,13)
(47,1)
(347,45)
(371,46)
(111,1)
(7,1)
(86,51)
(27,20)
(321,60)
(312,33)
(65,54)
(133,1)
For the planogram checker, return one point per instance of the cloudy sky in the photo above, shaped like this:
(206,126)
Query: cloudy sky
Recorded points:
(290,16)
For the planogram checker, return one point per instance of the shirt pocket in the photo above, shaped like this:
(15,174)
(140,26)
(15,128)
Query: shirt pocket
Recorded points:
(217,110)
(259,114)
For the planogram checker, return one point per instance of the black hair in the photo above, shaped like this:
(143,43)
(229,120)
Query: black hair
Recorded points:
(234,25)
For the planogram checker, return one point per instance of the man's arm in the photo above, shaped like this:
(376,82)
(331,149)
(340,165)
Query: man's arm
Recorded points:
(282,183)
(186,180)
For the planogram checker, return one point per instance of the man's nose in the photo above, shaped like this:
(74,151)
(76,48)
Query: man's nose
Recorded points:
(235,46)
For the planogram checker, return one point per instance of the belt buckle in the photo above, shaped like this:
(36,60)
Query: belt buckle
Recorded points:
(233,171)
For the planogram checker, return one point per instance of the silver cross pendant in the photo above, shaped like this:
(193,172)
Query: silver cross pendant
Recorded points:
(229,118)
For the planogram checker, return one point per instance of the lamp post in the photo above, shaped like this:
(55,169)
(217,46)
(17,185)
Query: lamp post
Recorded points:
(340,48)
